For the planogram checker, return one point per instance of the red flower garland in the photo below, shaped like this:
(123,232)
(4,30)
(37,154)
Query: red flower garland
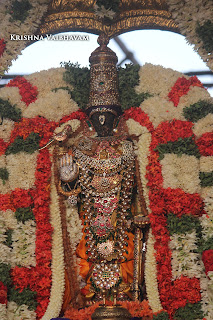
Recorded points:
(172,131)
(28,92)
(207,258)
(2,47)
(39,278)
(181,87)
(205,144)
(3,293)
(140,116)
(173,294)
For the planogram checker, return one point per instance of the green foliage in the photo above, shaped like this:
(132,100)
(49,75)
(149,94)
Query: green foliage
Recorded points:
(109,4)
(161,316)
(205,32)
(179,147)
(198,110)
(207,245)
(4,174)
(128,78)
(5,274)
(24,214)
(206,179)
(29,145)
(8,241)
(183,225)
(189,312)
(79,78)
(27,297)
(9,111)
(20,10)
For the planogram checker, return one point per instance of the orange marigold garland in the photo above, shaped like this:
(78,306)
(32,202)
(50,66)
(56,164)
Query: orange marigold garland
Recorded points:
(28,92)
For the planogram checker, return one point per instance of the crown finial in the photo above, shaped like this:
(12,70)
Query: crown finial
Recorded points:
(103,39)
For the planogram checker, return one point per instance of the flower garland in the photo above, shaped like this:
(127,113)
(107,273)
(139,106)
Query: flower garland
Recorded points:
(26,90)
(162,143)
(25,22)
(195,22)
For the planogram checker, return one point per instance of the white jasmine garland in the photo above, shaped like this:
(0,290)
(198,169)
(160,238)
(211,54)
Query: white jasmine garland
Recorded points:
(194,95)
(58,268)
(21,168)
(151,275)
(185,260)
(48,80)
(206,285)
(142,152)
(53,106)
(160,109)
(23,244)
(181,172)
(203,125)
(206,164)
(22,312)
(5,129)
(13,96)
(74,226)
(3,311)
(156,80)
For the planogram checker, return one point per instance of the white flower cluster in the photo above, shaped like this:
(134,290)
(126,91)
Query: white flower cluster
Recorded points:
(22,312)
(151,275)
(58,278)
(142,152)
(8,27)
(185,260)
(52,102)
(181,172)
(22,250)
(74,226)
(188,14)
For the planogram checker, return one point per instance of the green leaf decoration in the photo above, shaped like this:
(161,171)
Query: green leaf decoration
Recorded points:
(189,312)
(7,110)
(5,274)
(8,241)
(79,78)
(205,32)
(183,225)
(206,179)
(29,145)
(24,214)
(27,296)
(198,110)
(207,245)
(179,147)
(128,78)
(4,174)
(161,316)
(20,10)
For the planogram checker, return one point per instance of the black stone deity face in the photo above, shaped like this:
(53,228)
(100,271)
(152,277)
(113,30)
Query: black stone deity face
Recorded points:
(103,123)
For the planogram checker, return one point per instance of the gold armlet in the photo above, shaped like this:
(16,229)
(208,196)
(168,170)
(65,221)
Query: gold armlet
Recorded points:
(73,192)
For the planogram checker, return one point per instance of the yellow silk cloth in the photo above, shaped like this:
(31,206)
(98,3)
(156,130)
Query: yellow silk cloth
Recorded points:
(126,267)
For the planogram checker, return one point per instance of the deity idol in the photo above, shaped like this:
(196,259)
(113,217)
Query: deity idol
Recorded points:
(97,167)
